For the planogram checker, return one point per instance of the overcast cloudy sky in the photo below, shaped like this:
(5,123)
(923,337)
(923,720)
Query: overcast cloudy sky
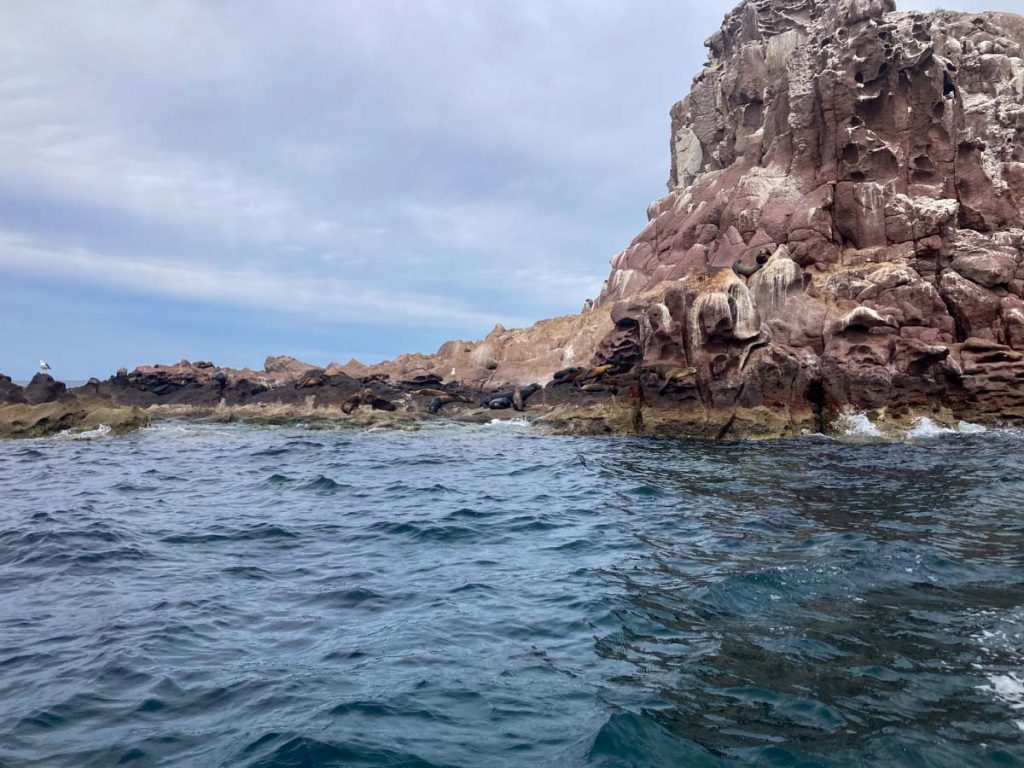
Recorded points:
(226,179)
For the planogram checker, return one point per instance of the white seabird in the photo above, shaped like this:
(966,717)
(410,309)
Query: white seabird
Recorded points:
(43,366)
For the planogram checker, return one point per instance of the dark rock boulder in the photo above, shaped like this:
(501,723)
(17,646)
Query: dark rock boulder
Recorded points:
(10,393)
(44,389)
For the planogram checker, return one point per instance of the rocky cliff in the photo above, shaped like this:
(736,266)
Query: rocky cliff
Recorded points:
(843,225)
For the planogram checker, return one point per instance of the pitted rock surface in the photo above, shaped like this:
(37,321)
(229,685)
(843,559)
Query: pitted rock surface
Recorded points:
(877,158)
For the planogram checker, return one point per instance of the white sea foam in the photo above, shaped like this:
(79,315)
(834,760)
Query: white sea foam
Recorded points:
(91,434)
(925,428)
(859,425)
(1000,643)
(1008,688)
(967,428)
(519,421)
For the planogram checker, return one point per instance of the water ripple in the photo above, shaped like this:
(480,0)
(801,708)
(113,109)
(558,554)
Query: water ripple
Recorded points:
(464,596)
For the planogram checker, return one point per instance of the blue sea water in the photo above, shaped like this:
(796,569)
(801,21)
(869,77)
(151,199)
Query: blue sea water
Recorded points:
(225,595)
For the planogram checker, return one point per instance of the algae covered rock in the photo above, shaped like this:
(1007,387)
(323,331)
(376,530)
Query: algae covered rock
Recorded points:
(25,420)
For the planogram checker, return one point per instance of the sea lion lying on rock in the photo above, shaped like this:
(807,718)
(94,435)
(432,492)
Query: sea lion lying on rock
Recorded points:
(742,271)
(566,375)
(442,400)
(367,397)
(429,393)
(593,374)
(515,399)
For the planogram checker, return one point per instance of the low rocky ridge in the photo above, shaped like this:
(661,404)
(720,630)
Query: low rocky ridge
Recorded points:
(45,407)
(843,230)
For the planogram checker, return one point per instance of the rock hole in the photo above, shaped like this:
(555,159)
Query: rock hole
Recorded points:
(816,398)
(923,163)
(948,87)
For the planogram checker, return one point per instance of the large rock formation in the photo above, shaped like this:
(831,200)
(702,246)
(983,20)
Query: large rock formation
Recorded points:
(843,225)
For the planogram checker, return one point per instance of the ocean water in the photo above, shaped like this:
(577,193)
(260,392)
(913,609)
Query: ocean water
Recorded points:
(200,595)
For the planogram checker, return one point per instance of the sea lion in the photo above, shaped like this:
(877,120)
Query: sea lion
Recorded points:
(520,396)
(498,403)
(429,393)
(510,399)
(674,377)
(424,380)
(659,369)
(442,400)
(593,373)
(566,375)
(380,404)
(363,397)
(742,271)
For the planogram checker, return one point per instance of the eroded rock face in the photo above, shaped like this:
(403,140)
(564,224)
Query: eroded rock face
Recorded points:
(845,216)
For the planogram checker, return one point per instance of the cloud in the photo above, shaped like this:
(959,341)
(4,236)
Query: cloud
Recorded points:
(323,299)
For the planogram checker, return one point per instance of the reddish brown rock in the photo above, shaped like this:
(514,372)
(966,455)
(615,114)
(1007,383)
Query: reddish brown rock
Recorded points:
(879,156)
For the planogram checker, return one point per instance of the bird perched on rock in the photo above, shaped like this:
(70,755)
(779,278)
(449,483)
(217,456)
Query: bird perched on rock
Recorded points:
(44,366)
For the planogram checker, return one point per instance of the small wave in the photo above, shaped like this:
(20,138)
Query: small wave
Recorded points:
(249,572)
(924,428)
(272,452)
(432,533)
(268,750)
(967,428)
(90,434)
(125,487)
(346,598)
(255,533)
(519,421)
(859,425)
(324,484)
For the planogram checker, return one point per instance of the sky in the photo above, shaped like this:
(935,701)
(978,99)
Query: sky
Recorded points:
(226,180)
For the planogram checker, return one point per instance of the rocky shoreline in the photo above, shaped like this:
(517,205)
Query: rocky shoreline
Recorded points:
(843,232)
(46,407)
(577,401)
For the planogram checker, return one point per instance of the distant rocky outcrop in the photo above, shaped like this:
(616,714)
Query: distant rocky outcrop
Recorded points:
(45,407)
